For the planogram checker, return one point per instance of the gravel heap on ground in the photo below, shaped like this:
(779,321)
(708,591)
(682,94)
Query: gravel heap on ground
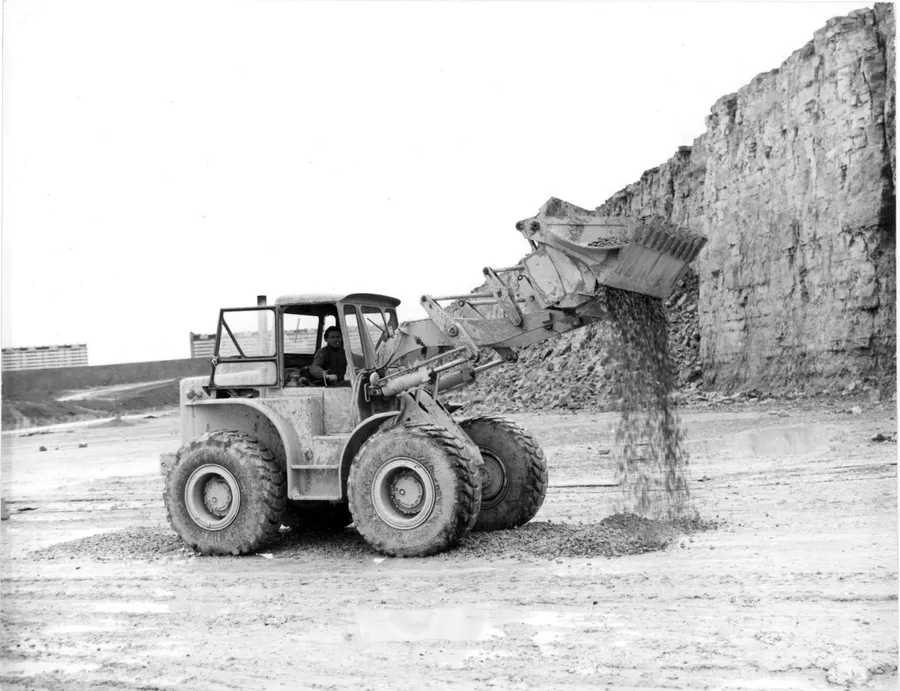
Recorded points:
(615,536)
(618,535)
(566,373)
(130,543)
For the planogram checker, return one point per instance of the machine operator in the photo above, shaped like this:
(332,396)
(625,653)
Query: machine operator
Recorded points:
(330,363)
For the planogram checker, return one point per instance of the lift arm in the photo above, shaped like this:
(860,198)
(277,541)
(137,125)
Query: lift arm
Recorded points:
(561,286)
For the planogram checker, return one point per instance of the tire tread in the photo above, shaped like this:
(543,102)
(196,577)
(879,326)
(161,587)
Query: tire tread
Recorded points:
(265,469)
(468,499)
(537,475)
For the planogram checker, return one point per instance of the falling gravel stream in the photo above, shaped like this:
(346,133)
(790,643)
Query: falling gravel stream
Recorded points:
(651,458)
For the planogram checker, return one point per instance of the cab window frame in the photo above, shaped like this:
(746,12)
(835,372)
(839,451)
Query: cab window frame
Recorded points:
(274,357)
(364,340)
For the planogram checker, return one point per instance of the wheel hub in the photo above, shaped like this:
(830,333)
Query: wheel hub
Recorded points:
(212,497)
(494,478)
(403,493)
(217,496)
(407,492)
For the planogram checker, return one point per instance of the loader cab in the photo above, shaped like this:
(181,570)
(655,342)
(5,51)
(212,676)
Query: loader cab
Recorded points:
(273,345)
(365,319)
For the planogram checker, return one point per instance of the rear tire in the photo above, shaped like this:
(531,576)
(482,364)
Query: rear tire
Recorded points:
(225,493)
(414,490)
(514,482)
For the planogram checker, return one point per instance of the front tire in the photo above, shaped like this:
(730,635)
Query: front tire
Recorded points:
(414,490)
(225,493)
(514,483)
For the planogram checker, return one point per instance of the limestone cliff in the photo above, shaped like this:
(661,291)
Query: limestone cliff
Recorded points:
(793,184)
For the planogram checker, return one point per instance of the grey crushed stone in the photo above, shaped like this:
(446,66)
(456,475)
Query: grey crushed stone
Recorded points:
(615,536)
(130,543)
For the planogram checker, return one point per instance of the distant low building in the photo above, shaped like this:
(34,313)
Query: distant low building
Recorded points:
(202,345)
(45,357)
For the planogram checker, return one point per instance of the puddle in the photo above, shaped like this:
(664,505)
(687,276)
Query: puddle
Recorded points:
(767,683)
(460,624)
(542,640)
(80,628)
(138,607)
(29,668)
(132,607)
(544,619)
(145,607)
(456,624)
(798,440)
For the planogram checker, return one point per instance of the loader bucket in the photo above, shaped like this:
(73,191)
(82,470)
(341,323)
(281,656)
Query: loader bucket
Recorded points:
(576,252)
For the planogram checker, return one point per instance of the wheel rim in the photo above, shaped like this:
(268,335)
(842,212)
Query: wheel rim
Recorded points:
(494,478)
(403,493)
(212,497)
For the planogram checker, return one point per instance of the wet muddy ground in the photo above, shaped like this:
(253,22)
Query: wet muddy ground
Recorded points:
(796,587)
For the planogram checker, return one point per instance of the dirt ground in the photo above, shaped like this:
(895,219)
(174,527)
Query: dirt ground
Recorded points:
(795,589)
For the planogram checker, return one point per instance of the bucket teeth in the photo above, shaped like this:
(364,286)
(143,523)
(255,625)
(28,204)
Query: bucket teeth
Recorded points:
(676,243)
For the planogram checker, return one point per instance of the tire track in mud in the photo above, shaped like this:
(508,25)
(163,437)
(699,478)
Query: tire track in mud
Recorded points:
(232,631)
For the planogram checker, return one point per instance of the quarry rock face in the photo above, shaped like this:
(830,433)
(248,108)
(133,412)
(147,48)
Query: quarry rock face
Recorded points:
(793,184)
(887,29)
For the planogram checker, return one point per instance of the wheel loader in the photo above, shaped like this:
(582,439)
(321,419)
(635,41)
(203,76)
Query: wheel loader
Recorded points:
(266,444)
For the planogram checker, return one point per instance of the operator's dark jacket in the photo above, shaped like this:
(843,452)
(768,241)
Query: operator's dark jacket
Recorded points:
(331,360)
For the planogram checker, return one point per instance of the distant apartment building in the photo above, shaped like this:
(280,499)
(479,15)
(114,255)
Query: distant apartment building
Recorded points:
(45,357)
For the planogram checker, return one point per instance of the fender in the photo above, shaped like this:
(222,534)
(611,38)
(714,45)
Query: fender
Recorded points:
(361,432)
(270,427)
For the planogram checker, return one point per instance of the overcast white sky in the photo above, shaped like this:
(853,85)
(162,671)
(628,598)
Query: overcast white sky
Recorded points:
(164,159)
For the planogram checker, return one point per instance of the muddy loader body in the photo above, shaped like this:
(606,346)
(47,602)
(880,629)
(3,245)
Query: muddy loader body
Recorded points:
(265,443)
